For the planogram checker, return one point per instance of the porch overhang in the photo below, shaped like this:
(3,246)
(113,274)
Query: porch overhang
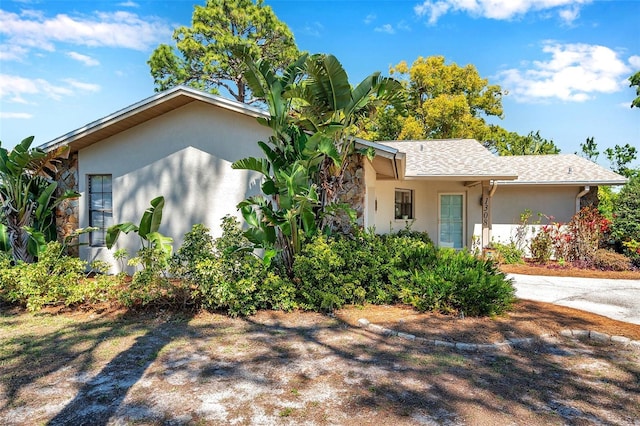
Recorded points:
(388,162)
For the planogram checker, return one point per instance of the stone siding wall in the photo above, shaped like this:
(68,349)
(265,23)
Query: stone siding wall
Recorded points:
(590,199)
(352,193)
(67,212)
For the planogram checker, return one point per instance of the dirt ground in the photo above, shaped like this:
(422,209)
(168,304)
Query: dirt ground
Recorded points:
(117,368)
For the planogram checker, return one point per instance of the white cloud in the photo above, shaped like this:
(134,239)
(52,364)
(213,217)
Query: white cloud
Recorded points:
(369,18)
(15,115)
(386,28)
(314,29)
(85,87)
(568,10)
(575,73)
(402,25)
(128,4)
(569,14)
(14,88)
(31,29)
(12,52)
(87,60)
(635,62)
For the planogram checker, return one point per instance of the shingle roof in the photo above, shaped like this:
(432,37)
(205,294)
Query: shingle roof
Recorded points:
(558,169)
(451,159)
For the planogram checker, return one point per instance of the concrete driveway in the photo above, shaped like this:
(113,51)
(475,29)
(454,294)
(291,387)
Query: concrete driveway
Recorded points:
(617,299)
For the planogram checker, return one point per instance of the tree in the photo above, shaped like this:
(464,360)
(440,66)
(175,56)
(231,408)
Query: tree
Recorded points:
(626,218)
(503,142)
(207,55)
(590,149)
(634,80)
(446,100)
(312,111)
(27,201)
(620,157)
(332,107)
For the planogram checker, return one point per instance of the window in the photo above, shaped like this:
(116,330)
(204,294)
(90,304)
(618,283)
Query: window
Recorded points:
(451,221)
(404,204)
(100,208)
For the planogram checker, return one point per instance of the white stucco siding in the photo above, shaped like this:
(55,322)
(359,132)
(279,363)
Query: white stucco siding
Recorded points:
(509,202)
(425,199)
(184,155)
(370,195)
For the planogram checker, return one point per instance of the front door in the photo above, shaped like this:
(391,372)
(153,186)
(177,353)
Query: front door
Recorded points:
(451,221)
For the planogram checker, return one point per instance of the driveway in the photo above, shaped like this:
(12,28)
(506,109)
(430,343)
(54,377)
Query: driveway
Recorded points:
(617,299)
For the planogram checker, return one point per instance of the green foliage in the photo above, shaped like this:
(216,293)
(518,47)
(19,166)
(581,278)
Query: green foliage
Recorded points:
(147,230)
(509,253)
(313,109)
(589,149)
(447,101)
(27,198)
(331,272)
(502,142)
(196,250)
(54,279)
(207,52)
(620,157)
(632,250)
(224,274)
(454,281)
(634,80)
(626,207)
(150,284)
(606,201)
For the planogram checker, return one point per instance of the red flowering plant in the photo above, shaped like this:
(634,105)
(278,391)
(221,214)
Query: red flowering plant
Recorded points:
(576,241)
(588,229)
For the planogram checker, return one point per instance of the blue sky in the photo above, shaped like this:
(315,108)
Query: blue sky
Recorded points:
(564,63)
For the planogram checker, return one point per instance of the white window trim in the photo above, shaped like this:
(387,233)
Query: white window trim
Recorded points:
(464,216)
(90,210)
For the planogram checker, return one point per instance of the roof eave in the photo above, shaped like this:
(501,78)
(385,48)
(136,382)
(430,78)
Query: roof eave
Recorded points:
(567,183)
(148,103)
(461,177)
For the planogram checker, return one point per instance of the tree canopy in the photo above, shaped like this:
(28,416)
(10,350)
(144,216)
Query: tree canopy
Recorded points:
(210,54)
(445,101)
(635,81)
(503,142)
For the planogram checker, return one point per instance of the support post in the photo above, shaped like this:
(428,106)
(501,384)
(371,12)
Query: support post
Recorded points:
(486,214)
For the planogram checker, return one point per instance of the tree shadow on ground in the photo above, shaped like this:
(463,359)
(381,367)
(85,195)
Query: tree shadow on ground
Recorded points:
(312,368)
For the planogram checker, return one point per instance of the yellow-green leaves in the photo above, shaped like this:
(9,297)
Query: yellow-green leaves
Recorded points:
(446,100)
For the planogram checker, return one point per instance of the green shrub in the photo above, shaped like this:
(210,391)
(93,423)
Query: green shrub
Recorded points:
(608,260)
(456,282)
(509,253)
(54,279)
(332,272)
(224,274)
(626,212)
(319,270)
(150,285)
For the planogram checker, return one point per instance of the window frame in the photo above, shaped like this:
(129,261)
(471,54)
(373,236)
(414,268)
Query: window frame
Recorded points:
(97,238)
(463,218)
(399,210)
